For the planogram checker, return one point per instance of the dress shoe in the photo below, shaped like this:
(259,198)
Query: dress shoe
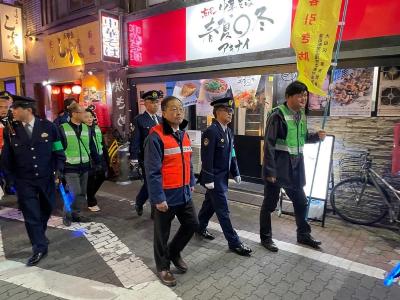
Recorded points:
(35,258)
(307,239)
(242,250)
(81,219)
(139,210)
(167,278)
(179,264)
(205,234)
(269,245)
(67,220)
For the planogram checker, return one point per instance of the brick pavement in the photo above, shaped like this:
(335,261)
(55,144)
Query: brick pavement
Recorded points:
(216,273)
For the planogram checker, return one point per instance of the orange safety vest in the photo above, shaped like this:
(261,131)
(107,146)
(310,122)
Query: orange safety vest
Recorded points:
(175,168)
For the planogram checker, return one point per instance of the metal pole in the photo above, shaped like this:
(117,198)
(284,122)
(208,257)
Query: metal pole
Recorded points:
(330,92)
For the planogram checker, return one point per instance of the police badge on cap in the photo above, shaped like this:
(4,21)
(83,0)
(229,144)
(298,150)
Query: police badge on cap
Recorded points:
(152,95)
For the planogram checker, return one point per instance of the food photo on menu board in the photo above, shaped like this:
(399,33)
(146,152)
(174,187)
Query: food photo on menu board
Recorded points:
(352,92)
(187,91)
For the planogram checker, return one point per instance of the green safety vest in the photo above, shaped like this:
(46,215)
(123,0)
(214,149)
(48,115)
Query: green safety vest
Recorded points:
(296,132)
(98,140)
(77,151)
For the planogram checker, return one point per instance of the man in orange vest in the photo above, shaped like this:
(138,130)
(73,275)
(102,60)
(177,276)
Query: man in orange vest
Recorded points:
(170,179)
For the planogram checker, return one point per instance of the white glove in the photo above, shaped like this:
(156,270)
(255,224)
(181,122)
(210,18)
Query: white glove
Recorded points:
(133,162)
(238,179)
(210,185)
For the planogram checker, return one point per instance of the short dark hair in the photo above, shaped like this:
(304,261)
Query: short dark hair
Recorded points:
(166,100)
(294,88)
(68,102)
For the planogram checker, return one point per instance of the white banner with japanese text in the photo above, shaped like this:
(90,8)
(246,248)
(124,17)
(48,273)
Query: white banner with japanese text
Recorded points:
(12,36)
(120,103)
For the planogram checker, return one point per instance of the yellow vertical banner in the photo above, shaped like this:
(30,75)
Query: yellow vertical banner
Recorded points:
(313,39)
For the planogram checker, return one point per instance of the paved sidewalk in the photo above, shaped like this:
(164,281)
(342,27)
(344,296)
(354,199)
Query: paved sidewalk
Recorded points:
(112,258)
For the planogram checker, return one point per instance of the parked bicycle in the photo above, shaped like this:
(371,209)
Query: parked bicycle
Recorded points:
(367,198)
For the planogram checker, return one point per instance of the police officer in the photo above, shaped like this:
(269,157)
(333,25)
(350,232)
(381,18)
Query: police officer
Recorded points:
(142,125)
(218,159)
(285,135)
(31,154)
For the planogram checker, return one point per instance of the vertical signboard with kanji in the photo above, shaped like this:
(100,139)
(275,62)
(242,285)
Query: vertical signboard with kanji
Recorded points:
(228,27)
(12,36)
(110,33)
(120,102)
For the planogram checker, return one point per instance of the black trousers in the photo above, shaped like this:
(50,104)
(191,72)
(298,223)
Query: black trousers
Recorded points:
(271,198)
(163,251)
(95,180)
(143,194)
(36,199)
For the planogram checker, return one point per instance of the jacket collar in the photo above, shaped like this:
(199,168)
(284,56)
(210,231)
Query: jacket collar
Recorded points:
(168,129)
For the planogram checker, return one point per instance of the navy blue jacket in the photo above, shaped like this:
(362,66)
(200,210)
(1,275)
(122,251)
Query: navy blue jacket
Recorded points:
(142,125)
(24,158)
(64,118)
(218,157)
(153,158)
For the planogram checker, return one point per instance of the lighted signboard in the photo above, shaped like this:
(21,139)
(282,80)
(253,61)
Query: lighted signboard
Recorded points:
(12,36)
(221,28)
(110,32)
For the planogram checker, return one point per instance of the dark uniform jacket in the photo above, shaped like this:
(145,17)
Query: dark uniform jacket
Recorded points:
(142,125)
(289,170)
(35,158)
(153,158)
(218,157)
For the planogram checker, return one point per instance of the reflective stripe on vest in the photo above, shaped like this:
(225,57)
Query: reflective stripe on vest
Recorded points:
(296,132)
(98,140)
(76,151)
(175,169)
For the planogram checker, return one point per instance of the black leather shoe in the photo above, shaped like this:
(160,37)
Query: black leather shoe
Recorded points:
(242,250)
(307,239)
(35,258)
(270,245)
(67,220)
(139,210)
(205,234)
(167,278)
(81,219)
(179,264)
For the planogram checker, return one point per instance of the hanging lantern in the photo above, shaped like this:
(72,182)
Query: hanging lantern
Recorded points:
(55,90)
(66,90)
(76,89)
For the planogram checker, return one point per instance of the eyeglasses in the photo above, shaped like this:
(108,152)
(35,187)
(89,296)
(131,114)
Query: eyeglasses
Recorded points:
(228,110)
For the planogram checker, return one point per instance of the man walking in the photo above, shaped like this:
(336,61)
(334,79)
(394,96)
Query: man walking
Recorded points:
(142,125)
(218,159)
(171,181)
(31,154)
(285,135)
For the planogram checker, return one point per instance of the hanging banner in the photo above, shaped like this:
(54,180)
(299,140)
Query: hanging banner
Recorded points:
(110,33)
(313,39)
(120,103)
(12,37)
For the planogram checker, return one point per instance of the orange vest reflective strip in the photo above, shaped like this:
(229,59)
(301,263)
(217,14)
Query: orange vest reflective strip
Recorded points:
(175,168)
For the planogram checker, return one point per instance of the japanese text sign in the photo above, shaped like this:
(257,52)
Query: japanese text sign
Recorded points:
(110,37)
(12,37)
(120,102)
(230,27)
(74,47)
(313,39)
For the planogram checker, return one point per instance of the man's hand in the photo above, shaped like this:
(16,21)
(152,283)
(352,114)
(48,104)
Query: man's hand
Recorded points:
(133,162)
(163,206)
(271,179)
(58,177)
(322,135)
(238,179)
(210,185)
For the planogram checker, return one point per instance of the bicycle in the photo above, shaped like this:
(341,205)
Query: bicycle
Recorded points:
(365,199)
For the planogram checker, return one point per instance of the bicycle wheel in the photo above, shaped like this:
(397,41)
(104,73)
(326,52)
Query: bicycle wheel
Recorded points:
(358,201)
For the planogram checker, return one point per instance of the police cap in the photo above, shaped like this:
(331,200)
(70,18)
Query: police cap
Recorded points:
(22,101)
(225,101)
(5,95)
(152,95)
